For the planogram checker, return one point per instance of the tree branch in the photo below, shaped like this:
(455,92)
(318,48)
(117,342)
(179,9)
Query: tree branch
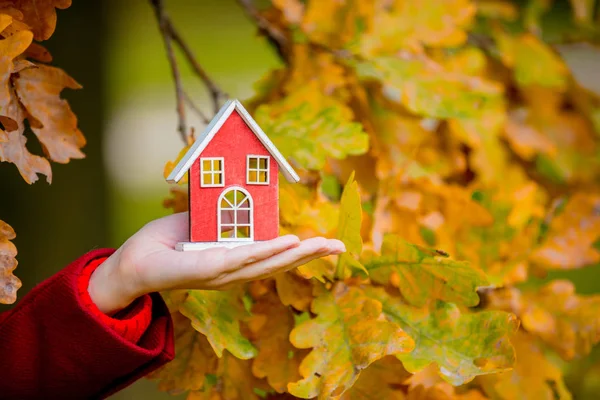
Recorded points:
(171,35)
(273,32)
(164,30)
(216,93)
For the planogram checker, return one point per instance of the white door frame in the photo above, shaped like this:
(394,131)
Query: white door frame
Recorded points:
(235,208)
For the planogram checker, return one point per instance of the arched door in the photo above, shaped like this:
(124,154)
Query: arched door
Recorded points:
(235,219)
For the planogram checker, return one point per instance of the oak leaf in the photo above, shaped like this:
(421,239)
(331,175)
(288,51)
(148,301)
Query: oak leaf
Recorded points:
(348,231)
(9,284)
(39,15)
(270,327)
(382,379)
(294,290)
(426,88)
(422,274)
(427,385)
(233,380)
(568,323)
(309,127)
(13,146)
(334,365)
(54,124)
(217,314)
(462,345)
(194,359)
(10,48)
(533,378)
(570,240)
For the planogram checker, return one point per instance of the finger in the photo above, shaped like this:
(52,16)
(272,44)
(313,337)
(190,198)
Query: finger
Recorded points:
(308,250)
(243,255)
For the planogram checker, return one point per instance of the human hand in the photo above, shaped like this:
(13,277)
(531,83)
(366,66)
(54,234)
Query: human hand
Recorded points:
(147,262)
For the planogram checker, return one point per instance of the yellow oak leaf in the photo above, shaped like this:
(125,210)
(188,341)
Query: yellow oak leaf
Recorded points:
(270,327)
(381,380)
(178,200)
(9,284)
(334,365)
(533,62)
(217,314)
(309,127)
(55,124)
(233,380)
(462,345)
(170,165)
(570,239)
(194,360)
(293,290)
(533,378)
(422,274)
(349,229)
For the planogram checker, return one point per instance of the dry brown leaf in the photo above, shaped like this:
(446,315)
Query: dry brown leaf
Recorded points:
(10,48)
(39,15)
(56,125)
(9,284)
(13,149)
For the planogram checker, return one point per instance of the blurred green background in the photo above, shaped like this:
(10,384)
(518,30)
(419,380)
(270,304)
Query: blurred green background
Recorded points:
(127,113)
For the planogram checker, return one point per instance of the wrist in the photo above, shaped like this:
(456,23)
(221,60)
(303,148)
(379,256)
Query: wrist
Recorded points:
(107,288)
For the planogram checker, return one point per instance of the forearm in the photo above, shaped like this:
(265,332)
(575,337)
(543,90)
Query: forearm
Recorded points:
(51,344)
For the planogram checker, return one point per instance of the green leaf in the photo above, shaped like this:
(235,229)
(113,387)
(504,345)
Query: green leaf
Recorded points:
(422,274)
(217,314)
(348,333)
(349,228)
(426,88)
(310,127)
(462,345)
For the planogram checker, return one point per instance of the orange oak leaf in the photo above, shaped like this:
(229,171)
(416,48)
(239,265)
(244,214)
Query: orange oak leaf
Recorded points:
(293,290)
(334,365)
(555,313)
(55,124)
(194,359)
(10,48)
(39,15)
(9,284)
(381,380)
(270,327)
(427,385)
(572,234)
(533,378)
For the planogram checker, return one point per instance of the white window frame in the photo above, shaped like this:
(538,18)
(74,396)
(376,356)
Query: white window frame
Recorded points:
(258,170)
(213,172)
(235,224)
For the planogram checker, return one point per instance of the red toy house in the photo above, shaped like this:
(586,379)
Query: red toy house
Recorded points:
(233,182)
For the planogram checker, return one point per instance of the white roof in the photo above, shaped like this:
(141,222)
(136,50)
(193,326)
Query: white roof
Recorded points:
(211,130)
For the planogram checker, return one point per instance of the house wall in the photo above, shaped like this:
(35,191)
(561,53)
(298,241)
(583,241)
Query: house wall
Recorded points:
(234,141)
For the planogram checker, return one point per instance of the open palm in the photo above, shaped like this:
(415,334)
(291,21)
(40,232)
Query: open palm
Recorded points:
(147,262)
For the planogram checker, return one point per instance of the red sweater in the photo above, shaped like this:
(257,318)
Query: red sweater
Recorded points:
(57,344)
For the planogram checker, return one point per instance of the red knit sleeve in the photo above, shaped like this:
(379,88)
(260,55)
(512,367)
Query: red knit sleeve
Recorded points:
(131,322)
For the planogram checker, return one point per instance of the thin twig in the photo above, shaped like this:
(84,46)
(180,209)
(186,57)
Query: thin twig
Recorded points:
(216,93)
(163,23)
(272,31)
(195,108)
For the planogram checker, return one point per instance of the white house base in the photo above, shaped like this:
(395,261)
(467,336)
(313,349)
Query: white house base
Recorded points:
(195,246)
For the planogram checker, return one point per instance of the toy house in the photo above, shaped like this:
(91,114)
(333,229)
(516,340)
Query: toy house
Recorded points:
(233,182)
